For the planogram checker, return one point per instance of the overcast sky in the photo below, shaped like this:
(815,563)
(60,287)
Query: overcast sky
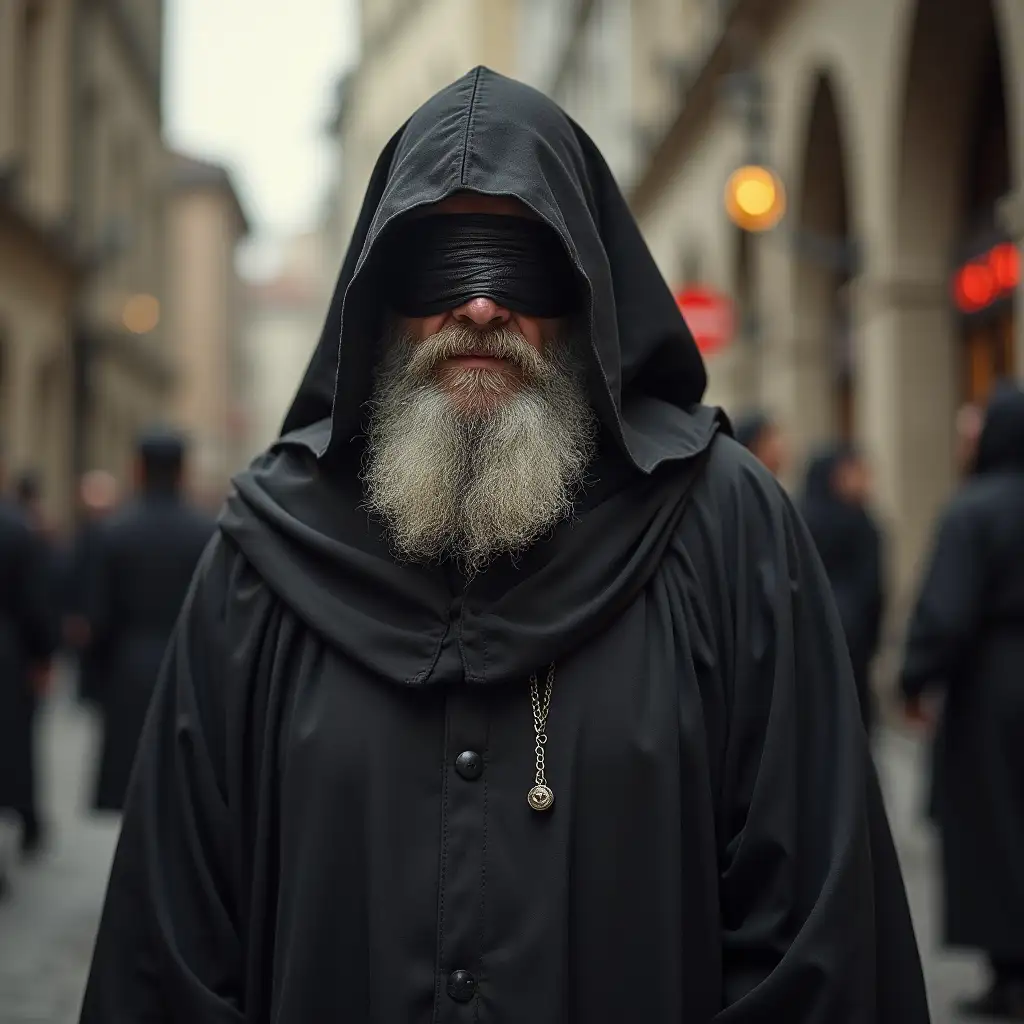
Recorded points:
(249,84)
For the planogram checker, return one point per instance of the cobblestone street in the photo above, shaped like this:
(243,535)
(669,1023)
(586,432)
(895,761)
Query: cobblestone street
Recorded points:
(47,923)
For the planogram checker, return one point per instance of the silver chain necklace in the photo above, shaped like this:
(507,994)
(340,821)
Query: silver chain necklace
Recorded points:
(540,798)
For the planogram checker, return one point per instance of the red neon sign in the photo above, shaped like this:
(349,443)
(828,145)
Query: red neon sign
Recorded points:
(987,278)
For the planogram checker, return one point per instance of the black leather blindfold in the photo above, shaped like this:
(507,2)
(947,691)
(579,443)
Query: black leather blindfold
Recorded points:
(439,262)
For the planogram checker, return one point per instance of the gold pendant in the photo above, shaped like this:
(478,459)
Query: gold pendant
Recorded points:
(540,798)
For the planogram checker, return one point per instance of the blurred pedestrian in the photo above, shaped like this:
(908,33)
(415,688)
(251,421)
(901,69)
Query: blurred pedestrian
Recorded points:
(763,437)
(498,497)
(835,506)
(27,643)
(98,496)
(28,495)
(140,570)
(966,638)
(969,419)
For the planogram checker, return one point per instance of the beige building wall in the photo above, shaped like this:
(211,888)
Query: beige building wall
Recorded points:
(122,171)
(37,262)
(205,226)
(870,129)
(615,66)
(409,52)
(284,316)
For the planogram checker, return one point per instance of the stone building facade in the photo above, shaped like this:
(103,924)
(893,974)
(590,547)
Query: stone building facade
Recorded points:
(897,127)
(284,314)
(125,366)
(409,49)
(82,192)
(205,225)
(39,269)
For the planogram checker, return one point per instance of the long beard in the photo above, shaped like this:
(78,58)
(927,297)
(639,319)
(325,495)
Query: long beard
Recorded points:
(475,463)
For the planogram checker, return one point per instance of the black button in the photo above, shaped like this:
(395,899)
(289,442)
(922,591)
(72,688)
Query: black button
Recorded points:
(461,986)
(470,765)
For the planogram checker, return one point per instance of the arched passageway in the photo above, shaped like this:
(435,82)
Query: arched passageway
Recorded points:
(954,167)
(823,273)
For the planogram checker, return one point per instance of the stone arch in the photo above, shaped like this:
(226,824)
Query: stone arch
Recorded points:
(822,219)
(954,163)
(950,62)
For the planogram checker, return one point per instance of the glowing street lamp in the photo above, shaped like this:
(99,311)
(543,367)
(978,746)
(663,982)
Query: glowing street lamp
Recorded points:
(755,198)
(141,314)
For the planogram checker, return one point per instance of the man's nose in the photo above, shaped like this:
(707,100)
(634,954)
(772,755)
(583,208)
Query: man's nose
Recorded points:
(482,312)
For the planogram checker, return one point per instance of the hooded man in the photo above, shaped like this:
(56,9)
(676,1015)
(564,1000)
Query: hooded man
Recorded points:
(966,639)
(511,690)
(141,562)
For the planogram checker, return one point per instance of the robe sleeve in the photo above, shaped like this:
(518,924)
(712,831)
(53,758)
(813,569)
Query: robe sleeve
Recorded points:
(945,619)
(168,949)
(816,927)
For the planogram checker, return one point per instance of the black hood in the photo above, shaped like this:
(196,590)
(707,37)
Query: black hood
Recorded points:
(1001,444)
(489,134)
(297,513)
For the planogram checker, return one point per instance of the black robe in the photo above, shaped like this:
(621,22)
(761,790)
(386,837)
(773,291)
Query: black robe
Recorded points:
(84,564)
(27,640)
(139,570)
(850,545)
(966,637)
(304,840)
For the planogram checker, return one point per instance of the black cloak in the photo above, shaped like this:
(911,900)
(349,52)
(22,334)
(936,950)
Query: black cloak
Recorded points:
(27,641)
(966,637)
(142,561)
(850,545)
(328,819)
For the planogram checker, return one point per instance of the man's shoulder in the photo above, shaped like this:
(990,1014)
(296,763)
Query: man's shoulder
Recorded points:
(731,473)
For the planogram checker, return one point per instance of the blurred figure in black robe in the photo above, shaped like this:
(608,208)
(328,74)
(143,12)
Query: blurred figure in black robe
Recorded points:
(28,494)
(763,438)
(497,495)
(141,564)
(835,508)
(27,641)
(98,493)
(966,638)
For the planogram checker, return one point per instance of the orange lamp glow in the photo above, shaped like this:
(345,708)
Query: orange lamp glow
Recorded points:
(755,198)
(141,314)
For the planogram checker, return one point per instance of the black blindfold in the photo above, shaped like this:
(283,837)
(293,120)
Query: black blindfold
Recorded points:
(439,262)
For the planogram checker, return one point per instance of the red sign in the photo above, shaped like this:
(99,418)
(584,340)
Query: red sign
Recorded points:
(984,280)
(709,315)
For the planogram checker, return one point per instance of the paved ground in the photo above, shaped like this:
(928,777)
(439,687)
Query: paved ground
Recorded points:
(48,921)
(46,925)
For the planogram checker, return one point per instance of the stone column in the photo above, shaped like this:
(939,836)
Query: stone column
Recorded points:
(1011,216)
(20,392)
(795,381)
(906,364)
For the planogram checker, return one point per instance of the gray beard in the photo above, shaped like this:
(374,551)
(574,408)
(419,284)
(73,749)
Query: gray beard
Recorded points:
(475,463)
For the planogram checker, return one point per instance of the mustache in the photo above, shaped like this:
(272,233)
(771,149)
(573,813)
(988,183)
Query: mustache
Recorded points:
(454,340)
